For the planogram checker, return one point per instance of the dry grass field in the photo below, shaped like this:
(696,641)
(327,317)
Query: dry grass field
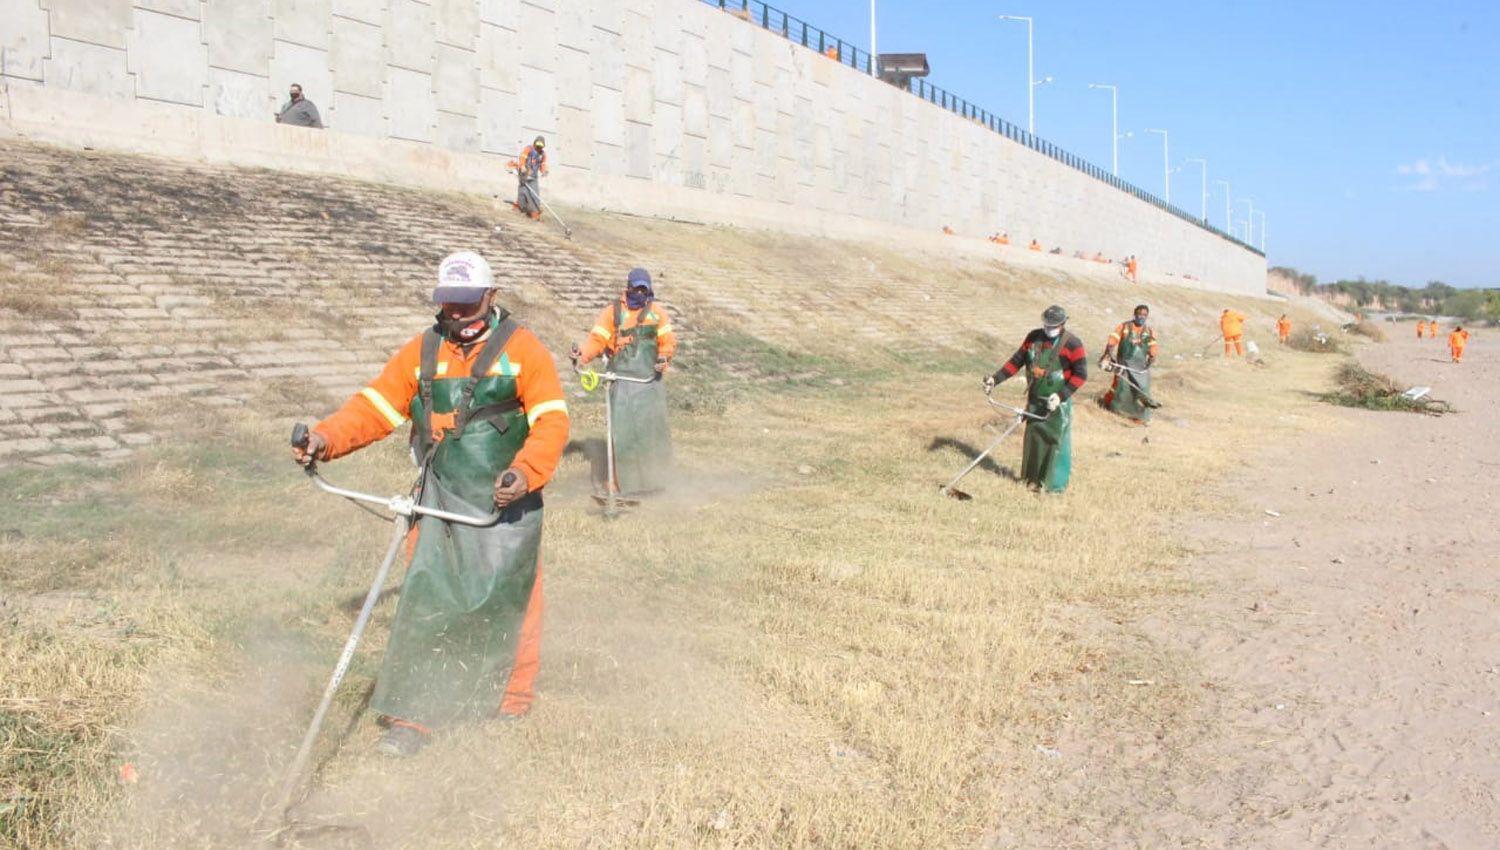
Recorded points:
(804,645)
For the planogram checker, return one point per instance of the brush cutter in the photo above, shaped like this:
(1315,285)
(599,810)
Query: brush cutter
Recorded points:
(589,380)
(1020,416)
(405,510)
(1130,373)
(567,231)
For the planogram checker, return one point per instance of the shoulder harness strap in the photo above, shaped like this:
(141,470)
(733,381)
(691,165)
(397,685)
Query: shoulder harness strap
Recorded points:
(499,336)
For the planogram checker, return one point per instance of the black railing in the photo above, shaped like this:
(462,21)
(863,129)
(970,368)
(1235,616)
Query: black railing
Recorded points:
(800,31)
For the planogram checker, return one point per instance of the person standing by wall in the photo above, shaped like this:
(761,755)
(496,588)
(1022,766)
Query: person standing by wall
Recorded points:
(531,165)
(298,111)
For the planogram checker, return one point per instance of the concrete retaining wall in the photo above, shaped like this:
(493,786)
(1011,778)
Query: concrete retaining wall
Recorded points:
(662,107)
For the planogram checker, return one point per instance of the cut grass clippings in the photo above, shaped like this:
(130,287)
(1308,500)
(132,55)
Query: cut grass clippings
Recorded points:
(1359,387)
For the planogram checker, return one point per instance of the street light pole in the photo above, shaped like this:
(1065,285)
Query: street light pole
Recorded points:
(874,55)
(1228,220)
(1166,163)
(1262,214)
(1114,124)
(1249,220)
(1203,164)
(1031,80)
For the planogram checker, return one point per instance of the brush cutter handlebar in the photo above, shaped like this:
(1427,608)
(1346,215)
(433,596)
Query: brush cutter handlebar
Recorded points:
(405,506)
(1024,414)
(590,379)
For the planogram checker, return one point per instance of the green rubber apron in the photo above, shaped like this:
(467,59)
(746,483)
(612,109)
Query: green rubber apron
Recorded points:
(453,641)
(1047,450)
(1132,351)
(638,412)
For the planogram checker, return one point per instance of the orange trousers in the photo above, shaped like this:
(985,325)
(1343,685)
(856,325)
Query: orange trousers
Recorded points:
(1458,354)
(1234,346)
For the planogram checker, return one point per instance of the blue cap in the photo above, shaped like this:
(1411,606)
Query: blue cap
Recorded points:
(638,277)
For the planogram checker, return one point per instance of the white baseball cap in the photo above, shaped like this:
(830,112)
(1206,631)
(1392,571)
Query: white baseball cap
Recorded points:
(463,278)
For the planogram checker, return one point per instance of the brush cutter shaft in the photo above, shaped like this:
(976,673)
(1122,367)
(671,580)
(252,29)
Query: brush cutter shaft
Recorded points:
(299,764)
(543,204)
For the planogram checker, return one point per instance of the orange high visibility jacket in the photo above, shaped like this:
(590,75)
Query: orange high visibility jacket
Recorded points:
(1421,329)
(602,339)
(1123,328)
(385,404)
(1035,245)
(529,157)
(1458,339)
(1232,324)
(1284,327)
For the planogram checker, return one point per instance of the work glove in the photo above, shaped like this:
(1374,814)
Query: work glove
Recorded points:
(1149,361)
(315,450)
(989,382)
(1054,401)
(506,493)
(661,365)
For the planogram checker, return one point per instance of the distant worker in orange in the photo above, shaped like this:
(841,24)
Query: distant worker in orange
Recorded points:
(1283,329)
(1035,245)
(1421,327)
(1432,329)
(1099,257)
(1456,342)
(947,230)
(1132,268)
(1232,329)
(1002,238)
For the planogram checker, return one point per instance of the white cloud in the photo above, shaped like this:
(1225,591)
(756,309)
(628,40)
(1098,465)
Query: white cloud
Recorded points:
(1430,176)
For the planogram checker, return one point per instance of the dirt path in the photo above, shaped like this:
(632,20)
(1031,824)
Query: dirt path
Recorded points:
(1351,644)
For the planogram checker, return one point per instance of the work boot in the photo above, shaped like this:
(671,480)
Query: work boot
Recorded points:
(401,741)
(535,215)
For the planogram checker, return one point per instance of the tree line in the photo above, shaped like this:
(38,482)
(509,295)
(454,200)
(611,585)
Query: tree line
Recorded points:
(1435,299)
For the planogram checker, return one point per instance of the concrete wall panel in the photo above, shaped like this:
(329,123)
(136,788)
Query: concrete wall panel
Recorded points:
(502,13)
(411,107)
(168,58)
(354,113)
(457,81)
(89,68)
(357,54)
(538,101)
(457,22)
(609,117)
(101,22)
(302,22)
(458,132)
(239,95)
(574,81)
(496,57)
(364,11)
(499,122)
(190,9)
(23,39)
(239,34)
(538,37)
(411,41)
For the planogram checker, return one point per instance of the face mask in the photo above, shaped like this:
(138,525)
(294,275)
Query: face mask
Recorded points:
(635,299)
(462,330)
(1052,332)
(1140,321)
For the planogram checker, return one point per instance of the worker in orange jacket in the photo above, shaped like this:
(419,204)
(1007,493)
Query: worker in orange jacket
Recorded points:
(1421,327)
(1432,329)
(1232,329)
(1283,329)
(531,166)
(1132,268)
(1456,342)
(1034,246)
(636,336)
(489,424)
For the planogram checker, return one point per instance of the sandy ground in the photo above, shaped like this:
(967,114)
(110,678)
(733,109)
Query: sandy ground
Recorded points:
(1348,648)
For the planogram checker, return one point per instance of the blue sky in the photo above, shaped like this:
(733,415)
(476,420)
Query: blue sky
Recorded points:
(1368,132)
